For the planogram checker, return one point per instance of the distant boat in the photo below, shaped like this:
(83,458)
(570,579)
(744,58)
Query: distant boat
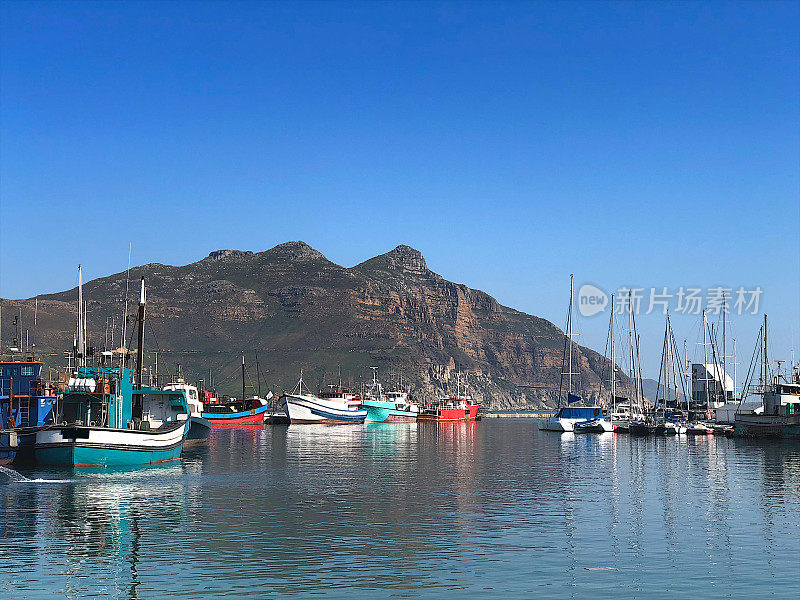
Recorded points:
(455,407)
(200,427)
(104,418)
(388,407)
(334,407)
(236,413)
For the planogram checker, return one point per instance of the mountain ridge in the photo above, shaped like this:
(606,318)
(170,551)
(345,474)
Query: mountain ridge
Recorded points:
(296,308)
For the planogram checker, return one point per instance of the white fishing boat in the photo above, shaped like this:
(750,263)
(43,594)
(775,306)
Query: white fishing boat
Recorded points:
(200,428)
(333,407)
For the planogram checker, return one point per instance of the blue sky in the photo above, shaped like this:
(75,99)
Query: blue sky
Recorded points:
(648,144)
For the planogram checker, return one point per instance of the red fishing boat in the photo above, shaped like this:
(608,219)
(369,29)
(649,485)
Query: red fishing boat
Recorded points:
(232,412)
(451,408)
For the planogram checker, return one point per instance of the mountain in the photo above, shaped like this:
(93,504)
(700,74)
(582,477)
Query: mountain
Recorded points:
(294,308)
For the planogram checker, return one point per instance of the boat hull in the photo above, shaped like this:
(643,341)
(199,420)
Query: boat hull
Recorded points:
(199,430)
(8,447)
(641,429)
(385,412)
(305,411)
(596,426)
(77,446)
(254,416)
(767,426)
(450,415)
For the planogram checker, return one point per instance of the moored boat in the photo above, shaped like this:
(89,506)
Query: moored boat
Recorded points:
(104,419)
(335,407)
(699,429)
(235,413)
(252,412)
(570,412)
(26,403)
(451,408)
(596,425)
(780,399)
(388,407)
(199,427)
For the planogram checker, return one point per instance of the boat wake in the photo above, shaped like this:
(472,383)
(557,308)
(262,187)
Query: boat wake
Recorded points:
(19,477)
(12,474)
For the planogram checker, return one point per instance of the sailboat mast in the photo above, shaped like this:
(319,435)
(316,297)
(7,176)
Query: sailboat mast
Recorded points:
(724,352)
(630,344)
(764,355)
(569,342)
(613,365)
(242,378)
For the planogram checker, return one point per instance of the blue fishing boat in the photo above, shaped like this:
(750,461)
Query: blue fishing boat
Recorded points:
(26,403)
(106,418)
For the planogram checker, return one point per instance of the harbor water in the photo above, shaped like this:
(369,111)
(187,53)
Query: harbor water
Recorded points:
(489,509)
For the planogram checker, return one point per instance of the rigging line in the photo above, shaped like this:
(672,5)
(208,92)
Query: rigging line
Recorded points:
(158,348)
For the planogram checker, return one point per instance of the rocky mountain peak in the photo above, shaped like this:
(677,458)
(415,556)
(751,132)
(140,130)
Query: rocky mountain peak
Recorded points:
(297,250)
(227,254)
(406,258)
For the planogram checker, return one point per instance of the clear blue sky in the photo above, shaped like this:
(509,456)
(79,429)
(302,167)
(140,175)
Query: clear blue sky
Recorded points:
(644,143)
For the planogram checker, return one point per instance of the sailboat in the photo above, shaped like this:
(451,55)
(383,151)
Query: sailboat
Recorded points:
(666,417)
(107,418)
(605,424)
(567,415)
(640,423)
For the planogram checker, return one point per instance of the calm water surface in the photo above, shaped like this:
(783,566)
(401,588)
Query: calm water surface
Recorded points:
(495,508)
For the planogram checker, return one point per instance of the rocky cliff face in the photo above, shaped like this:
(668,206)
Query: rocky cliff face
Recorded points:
(293,308)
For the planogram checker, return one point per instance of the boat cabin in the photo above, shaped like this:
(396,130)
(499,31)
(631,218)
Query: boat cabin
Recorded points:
(25,400)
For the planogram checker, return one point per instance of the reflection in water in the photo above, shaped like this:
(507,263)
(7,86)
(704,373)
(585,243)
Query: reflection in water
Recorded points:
(495,508)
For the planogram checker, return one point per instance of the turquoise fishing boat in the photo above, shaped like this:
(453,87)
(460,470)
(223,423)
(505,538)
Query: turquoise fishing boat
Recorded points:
(105,417)
(97,427)
(388,407)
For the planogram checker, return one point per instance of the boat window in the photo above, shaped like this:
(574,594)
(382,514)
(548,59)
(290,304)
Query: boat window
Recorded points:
(26,370)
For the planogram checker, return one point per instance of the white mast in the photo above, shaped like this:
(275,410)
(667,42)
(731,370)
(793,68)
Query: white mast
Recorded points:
(630,343)
(724,350)
(569,335)
(705,361)
(613,365)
